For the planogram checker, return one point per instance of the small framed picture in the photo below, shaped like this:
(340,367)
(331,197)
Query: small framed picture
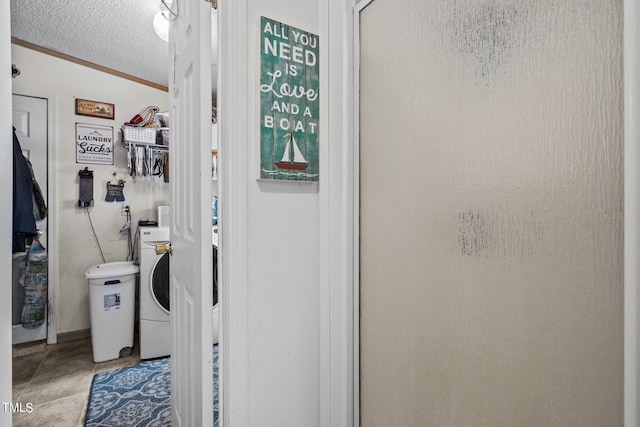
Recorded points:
(103,110)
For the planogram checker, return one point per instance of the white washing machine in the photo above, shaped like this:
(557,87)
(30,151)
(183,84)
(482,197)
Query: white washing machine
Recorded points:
(155,326)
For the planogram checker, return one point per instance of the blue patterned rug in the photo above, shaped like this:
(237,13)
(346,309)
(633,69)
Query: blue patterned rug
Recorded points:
(138,396)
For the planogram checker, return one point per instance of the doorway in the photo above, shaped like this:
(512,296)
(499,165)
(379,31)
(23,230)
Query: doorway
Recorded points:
(30,120)
(491,147)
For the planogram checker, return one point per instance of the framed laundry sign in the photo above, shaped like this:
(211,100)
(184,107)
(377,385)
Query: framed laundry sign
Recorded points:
(94,144)
(289,102)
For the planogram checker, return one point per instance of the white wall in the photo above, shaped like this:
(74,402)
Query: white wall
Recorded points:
(286,264)
(284,261)
(631,210)
(6,191)
(271,231)
(47,76)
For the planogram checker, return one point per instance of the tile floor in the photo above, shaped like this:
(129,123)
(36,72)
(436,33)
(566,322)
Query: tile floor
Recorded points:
(56,380)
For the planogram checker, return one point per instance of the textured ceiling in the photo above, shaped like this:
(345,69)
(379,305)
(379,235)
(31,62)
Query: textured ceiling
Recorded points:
(117,34)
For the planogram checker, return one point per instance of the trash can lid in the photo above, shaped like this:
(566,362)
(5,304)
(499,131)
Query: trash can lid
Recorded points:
(111,269)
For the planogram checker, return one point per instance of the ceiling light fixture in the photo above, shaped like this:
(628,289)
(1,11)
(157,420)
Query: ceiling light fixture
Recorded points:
(161,25)
(161,20)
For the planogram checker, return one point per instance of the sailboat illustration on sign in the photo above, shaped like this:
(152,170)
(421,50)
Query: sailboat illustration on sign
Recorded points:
(292,158)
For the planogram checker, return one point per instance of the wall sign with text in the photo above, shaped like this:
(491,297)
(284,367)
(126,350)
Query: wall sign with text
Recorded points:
(94,144)
(289,104)
(85,107)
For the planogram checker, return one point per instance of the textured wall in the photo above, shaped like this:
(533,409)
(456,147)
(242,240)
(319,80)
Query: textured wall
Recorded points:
(491,155)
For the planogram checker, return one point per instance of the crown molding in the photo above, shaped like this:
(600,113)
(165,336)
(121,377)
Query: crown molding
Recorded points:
(87,64)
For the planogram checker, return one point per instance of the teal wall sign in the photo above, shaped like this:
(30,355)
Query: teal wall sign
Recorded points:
(289,102)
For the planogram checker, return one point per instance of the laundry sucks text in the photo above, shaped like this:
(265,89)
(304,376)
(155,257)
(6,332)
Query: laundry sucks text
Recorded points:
(94,144)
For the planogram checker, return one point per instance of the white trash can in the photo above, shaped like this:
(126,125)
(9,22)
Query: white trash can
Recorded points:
(112,293)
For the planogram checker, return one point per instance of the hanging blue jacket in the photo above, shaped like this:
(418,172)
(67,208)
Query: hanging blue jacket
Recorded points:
(24,222)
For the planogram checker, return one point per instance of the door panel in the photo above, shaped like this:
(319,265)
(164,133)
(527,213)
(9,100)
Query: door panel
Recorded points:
(30,120)
(491,200)
(190,264)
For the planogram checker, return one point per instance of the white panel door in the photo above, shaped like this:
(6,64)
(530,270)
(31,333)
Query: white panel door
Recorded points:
(30,121)
(29,117)
(191,267)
